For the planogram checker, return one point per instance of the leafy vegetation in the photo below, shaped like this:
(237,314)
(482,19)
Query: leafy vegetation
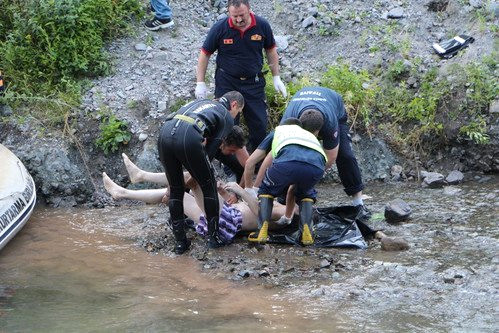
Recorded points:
(113,133)
(408,115)
(47,47)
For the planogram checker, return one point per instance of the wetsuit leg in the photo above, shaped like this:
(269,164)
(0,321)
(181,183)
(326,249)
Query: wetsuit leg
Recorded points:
(196,162)
(174,173)
(182,244)
(348,168)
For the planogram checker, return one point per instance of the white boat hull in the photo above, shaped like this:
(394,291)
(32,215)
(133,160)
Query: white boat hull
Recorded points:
(17,195)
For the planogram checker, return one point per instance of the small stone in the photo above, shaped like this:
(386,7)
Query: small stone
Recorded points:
(281,42)
(308,22)
(397,211)
(141,47)
(161,106)
(143,137)
(394,244)
(396,13)
(325,263)
(454,177)
(433,180)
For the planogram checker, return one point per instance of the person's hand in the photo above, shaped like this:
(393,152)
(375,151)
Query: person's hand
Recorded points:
(166,197)
(201,90)
(232,198)
(284,220)
(279,85)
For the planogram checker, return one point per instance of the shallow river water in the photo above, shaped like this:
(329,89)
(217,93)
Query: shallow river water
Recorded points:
(82,270)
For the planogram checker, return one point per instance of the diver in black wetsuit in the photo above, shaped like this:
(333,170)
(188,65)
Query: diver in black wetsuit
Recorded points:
(190,138)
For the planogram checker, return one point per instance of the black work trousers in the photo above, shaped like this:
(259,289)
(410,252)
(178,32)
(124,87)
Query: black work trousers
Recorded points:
(348,168)
(255,107)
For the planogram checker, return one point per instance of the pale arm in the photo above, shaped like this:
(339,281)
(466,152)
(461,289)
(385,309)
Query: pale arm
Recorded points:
(331,156)
(261,173)
(202,66)
(249,168)
(273,60)
(248,198)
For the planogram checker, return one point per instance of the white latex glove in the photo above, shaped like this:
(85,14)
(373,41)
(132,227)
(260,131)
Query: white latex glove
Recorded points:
(279,86)
(201,90)
(253,191)
(284,220)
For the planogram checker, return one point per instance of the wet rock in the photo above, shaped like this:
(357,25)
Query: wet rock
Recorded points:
(454,177)
(433,179)
(394,244)
(397,211)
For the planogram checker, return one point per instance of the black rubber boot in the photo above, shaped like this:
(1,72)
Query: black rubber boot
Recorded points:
(214,240)
(264,214)
(181,242)
(306,209)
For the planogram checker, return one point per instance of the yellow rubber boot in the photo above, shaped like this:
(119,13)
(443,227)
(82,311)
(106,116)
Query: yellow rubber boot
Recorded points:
(264,215)
(306,209)
(306,236)
(260,236)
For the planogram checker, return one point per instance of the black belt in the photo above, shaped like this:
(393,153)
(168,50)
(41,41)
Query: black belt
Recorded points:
(199,125)
(242,78)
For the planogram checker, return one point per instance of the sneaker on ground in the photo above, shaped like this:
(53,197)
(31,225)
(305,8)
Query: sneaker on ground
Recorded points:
(156,24)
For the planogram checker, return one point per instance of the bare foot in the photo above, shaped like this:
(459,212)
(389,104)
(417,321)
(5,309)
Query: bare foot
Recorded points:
(166,197)
(116,191)
(134,171)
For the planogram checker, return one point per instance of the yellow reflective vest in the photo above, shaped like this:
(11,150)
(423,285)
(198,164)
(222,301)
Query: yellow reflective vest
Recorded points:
(294,135)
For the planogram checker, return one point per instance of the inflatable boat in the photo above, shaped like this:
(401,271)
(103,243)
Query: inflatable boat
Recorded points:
(17,195)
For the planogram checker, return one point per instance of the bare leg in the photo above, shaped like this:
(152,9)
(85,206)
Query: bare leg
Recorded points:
(138,175)
(118,192)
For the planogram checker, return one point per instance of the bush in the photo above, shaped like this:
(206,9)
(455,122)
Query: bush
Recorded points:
(113,133)
(356,89)
(46,46)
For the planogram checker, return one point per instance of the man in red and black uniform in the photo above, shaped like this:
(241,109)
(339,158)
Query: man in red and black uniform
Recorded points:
(190,138)
(240,40)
